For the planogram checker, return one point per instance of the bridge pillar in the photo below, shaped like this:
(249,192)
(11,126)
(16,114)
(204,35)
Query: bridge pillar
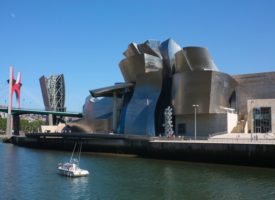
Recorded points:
(16,124)
(9,125)
(52,120)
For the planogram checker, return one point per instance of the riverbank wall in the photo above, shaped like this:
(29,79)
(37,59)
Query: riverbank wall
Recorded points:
(249,154)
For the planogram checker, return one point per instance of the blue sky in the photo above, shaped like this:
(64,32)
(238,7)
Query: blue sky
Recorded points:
(85,39)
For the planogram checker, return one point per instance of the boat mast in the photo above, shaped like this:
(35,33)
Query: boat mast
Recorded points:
(79,152)
(71,160)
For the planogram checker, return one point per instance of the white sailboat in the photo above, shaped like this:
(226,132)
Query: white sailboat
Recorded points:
(71,168)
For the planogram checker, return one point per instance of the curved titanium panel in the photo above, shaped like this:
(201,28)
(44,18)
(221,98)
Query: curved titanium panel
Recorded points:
(151,47)
(98,108)
(199,59)
(140,112)
(168,49)
(222,88)
(129,67)
(132,50)
(181,62)
(93,110)
(133,66)
(210,90)
(152,71)
(191,88)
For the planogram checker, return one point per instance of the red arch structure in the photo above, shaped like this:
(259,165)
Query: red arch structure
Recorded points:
(16,86)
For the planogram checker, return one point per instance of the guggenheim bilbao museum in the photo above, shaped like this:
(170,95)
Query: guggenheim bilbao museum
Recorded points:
(161,74)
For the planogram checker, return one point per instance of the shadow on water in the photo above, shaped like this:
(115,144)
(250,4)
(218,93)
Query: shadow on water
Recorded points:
(32,174)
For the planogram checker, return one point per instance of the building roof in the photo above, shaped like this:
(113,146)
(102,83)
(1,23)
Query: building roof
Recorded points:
(108,91)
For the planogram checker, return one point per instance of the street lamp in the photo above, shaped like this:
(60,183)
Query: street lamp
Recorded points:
(195,113)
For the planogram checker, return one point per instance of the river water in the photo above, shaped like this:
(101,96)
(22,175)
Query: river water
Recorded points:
(28,174)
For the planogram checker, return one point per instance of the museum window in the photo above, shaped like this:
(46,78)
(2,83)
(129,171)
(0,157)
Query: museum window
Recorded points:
(181,129)
(262,119)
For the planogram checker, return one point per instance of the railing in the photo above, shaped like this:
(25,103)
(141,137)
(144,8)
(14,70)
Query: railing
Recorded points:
(242,140)
(236,140)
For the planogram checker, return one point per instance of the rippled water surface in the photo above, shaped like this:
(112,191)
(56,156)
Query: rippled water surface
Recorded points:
(31,174)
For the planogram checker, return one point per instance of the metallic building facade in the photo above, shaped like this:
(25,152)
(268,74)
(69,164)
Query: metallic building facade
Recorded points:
(210,90)
(161,74)
(150,66)
(53,92)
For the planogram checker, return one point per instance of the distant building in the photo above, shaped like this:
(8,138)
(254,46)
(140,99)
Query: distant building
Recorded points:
(161,74)
(53,129)
(53,91)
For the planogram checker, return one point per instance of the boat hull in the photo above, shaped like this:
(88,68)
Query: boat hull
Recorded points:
(73,173)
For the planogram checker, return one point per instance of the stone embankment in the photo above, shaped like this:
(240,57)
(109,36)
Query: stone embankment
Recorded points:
(226,151)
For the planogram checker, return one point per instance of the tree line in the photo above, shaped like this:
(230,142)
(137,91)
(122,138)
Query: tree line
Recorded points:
(25,125)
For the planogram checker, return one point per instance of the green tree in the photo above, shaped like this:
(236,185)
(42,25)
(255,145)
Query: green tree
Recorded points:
(3,124)
(29,127)
(25,125)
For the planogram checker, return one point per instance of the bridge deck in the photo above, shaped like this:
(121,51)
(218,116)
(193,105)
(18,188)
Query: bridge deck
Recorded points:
(22,111)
